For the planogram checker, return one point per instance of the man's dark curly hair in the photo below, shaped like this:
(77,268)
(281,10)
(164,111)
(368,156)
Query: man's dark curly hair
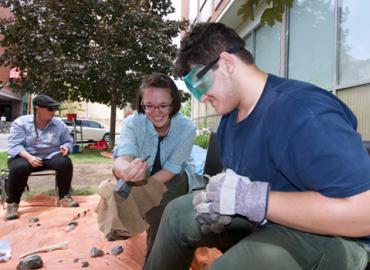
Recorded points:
(204,42)
(159,80)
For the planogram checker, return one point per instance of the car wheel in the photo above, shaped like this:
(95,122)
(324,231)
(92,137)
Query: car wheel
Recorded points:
(106,137)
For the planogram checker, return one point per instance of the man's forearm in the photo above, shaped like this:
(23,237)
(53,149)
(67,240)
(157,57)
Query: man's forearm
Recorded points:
(24,154)
(315,213)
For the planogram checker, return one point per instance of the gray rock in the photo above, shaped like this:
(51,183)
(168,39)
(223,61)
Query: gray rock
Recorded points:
(70,227)
(33,220)
(85,264)
(117,250)
(95,252)
(30,262)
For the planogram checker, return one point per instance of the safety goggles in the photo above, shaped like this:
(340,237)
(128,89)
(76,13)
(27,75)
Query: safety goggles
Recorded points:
(199,80)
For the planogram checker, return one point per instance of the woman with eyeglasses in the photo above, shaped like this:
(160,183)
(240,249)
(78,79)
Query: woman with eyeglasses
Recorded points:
(160,131)
(39,142)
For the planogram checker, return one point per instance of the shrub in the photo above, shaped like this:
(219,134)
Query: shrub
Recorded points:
(202,137)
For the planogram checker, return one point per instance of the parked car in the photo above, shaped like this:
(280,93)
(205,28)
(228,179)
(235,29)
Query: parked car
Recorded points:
(91,130)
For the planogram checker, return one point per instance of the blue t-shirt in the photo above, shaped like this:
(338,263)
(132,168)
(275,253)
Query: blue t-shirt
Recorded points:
(298,137)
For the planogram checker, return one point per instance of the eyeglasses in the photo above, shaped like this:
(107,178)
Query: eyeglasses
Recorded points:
(161,107)
(53,109)
(199,80)
(50,109)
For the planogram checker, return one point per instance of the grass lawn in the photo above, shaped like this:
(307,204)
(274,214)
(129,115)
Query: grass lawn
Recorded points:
(75,191)
(87,156)
(3,160)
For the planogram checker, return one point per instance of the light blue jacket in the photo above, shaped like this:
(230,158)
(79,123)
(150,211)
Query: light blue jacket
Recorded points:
(139,138)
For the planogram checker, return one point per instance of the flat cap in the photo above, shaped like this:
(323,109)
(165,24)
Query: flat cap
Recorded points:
(45,102)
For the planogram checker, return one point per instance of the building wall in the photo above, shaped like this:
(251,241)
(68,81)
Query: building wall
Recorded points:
(97,112)
(101,113)
(4,71)
(8,99)
(358,99)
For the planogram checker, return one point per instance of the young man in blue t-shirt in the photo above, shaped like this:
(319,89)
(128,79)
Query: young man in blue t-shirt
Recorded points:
(295,191)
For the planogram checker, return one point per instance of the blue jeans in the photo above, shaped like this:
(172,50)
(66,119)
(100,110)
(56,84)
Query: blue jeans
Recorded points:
(245,247)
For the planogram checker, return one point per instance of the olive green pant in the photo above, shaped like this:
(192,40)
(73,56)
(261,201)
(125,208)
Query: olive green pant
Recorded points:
(246,247)
(176,187)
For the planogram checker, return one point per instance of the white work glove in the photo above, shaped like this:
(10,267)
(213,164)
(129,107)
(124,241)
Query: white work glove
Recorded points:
(212,222)
(229,193)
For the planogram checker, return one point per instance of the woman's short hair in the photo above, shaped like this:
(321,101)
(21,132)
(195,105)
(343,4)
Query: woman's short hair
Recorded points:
(159,80)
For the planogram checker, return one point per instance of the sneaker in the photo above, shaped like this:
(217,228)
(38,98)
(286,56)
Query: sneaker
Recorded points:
(12,211)
(67,201)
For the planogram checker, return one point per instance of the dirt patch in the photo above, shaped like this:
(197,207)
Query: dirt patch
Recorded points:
(84,175)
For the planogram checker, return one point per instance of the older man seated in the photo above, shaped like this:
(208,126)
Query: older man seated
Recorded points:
(39,142)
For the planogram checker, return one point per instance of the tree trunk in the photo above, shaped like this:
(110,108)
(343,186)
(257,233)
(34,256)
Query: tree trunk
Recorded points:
(113,116)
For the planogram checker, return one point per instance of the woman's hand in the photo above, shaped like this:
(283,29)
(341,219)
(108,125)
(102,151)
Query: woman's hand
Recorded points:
(134,171)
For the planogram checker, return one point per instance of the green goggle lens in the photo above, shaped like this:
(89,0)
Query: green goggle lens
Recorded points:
(198,86)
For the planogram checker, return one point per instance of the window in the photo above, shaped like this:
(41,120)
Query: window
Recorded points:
(216,3)
(93,124)
(311,42)
(249,44)
(193,11)
(264,45)
(267,51)
(205,11)
(354,42)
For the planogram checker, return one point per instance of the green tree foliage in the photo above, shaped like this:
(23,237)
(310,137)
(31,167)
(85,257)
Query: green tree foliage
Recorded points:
(93,50)
(202,137)
(186,107)
(270,15)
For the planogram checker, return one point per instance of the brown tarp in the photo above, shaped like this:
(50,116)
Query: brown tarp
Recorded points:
(51,229)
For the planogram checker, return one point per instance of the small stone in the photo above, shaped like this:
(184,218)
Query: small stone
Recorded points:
(76,260)
(117,250)
(70,228)
(73,223)
(33,220)
(60,261)
(30,262)
(85,212)
(95,252)
(38,224)
(30,226)
(109,237)
(85,264)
